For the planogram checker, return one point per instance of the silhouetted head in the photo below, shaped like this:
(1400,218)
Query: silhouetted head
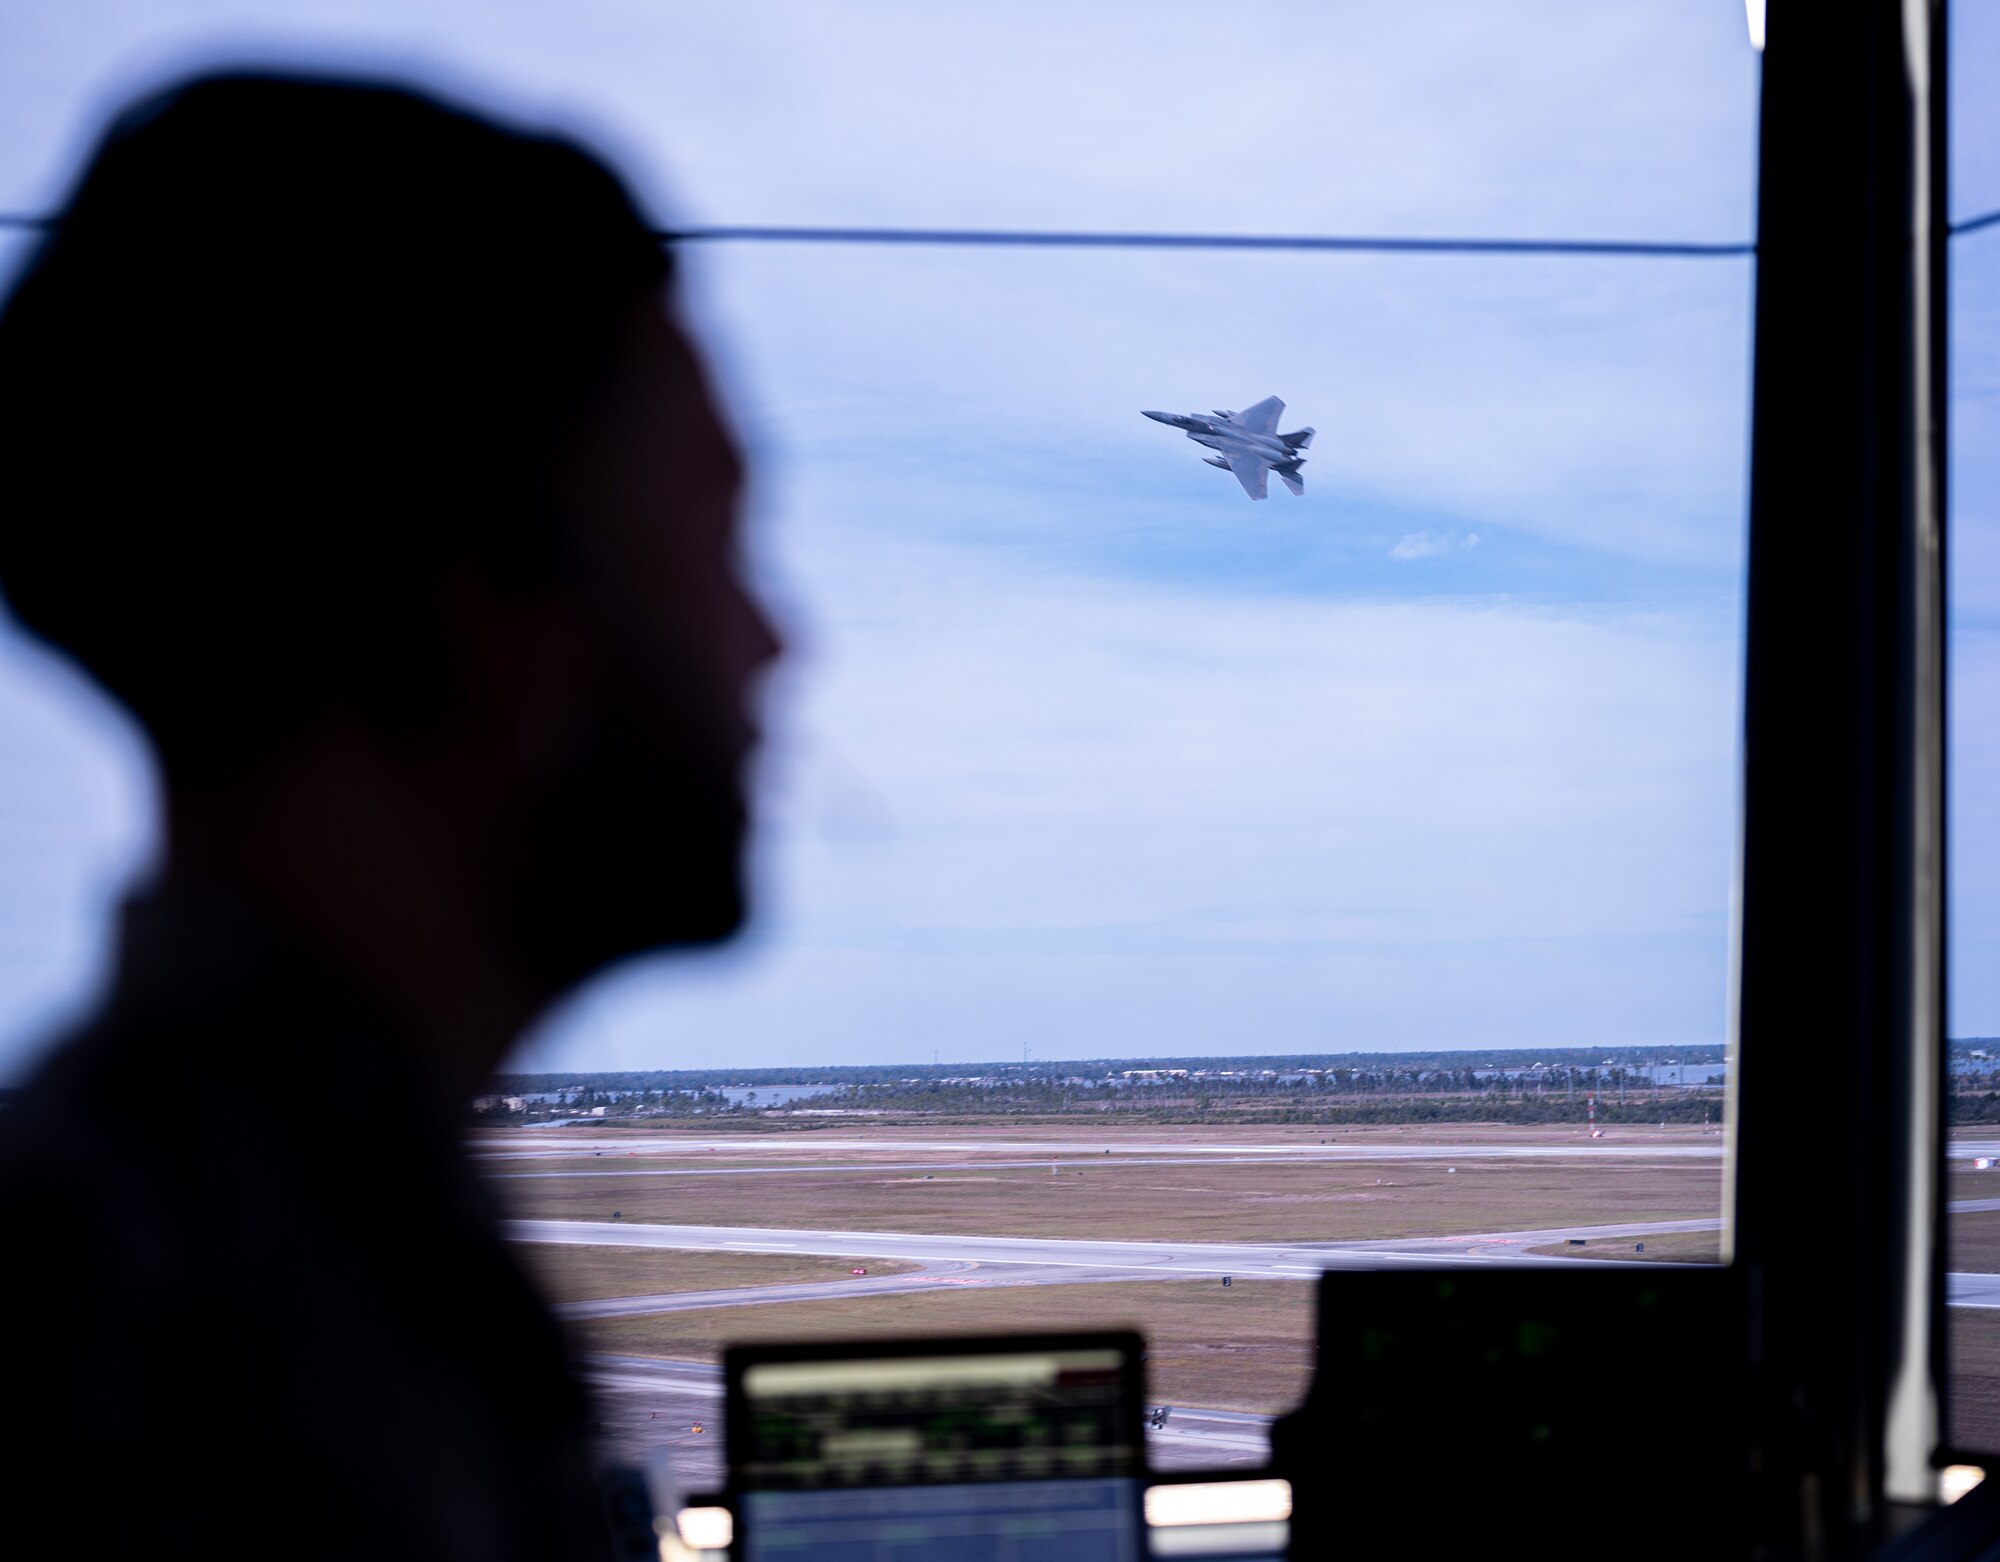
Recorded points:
(325,402)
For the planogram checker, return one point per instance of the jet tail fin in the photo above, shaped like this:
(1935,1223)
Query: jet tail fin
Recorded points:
(1300,440)
(1288,474)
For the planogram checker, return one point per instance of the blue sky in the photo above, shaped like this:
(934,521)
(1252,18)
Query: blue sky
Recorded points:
(1079,747)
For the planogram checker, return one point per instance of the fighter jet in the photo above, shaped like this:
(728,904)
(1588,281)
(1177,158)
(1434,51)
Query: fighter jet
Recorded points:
(1248,443)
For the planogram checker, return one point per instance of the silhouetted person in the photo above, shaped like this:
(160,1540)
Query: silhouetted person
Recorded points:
(349,443)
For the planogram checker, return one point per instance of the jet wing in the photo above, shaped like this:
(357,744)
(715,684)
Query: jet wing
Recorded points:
(1262,418)
(1252,473)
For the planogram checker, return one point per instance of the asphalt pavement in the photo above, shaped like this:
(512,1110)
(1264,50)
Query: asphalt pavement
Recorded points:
(1058,1260)
(542,1145)
(645,1404)
(1159,1260)
(849,1168)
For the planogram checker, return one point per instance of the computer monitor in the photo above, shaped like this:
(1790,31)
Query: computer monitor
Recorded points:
(1444,1395)
(963,1450)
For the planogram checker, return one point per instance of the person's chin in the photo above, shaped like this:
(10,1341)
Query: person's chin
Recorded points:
(617,882)
(687,893)
(712,911)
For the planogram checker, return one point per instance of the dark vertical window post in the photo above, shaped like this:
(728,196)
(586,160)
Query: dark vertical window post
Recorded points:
(1836,1148)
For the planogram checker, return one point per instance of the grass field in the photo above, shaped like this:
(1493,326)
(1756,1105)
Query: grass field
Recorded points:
(1975,1245)
(776,1133)
(1962,1182)
(1975,1379)
(1672,1247)
(1284,1202)
(1245,1348)
(1975,1242)
(1975,1338)
(569,1272)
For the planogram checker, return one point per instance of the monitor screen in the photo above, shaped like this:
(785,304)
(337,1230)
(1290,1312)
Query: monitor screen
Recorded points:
(947,1449)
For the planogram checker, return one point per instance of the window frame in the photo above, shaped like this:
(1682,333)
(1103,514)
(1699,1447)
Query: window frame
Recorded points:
(1836,1168)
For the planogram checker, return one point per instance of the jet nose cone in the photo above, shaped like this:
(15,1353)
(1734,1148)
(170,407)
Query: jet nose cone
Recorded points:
(1158,417)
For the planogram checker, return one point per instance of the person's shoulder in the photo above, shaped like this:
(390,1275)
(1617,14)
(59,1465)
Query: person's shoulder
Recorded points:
(152,1086)
(83,1220)
(85,1122)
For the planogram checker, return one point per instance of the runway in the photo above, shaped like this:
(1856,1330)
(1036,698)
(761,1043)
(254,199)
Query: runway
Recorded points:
(1972,1290)
(1094,1152)
(645,1404)
(556,1144)
(924,1277)
(1097,1259)
(962,1260)
(1083,1163)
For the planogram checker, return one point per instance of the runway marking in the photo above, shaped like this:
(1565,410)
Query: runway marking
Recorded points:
(776,1144)
(1022,1261)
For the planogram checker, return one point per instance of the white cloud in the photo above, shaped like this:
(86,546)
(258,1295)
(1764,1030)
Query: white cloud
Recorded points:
(1540,116)
(1599,409)
(1602,404)
(1428,545)
(1151,818)
(1277,820)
